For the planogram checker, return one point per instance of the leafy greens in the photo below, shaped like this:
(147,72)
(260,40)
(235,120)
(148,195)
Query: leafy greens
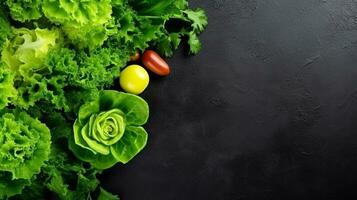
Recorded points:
(108,130)
(24,147)
(61,122)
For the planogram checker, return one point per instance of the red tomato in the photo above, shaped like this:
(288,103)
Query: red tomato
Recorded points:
(153,62)
(135,57)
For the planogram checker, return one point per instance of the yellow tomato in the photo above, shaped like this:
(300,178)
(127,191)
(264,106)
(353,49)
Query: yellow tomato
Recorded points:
(134,79)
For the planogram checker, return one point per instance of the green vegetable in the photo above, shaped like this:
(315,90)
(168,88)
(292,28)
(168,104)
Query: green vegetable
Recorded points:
(152,7)
(67,177)
(27,50)
(188,23)
(10,187)
(77,13)
(104,195)
(25,144)
(7,90)
(24,147)
(109,130)
(61,122)
(5,28)
(44,75)
(199,22)
(24,10)
(24,56)
(84,22)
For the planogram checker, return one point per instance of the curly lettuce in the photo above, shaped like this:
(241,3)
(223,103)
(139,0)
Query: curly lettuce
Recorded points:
(81,75)
(84,22)
(24,10)
(24,55)
(60,74)
(109,130)
(7,90)
(25,144)
(90,36)
(62,175)
(26,51)
(77,13)
(24,147)
(44,71)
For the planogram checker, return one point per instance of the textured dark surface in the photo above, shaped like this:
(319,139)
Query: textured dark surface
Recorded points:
(267,110)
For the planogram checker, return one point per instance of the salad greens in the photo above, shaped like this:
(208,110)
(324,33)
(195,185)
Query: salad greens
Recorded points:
(25,144)
(24,147)
(61,122)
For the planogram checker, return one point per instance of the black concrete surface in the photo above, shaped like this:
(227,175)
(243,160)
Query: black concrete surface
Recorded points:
(267,110)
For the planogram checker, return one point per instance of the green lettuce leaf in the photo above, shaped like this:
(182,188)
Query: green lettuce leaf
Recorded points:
(65,176)
(24,55)
(86,23)
(25,144)
(135,109)
(10,187)
(77,13)
(24,149)
(133,141)
(24,10)
(7,90)
(88,36)
(105,195)
(152,7)
(61,76)
(26,51)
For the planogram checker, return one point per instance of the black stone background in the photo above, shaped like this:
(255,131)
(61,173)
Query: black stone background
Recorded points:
(267,110)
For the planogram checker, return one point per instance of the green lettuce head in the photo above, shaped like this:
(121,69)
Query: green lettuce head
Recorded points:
(109,130)
(24,144)
(24,147)
(24,10)
(26,51)
(77,13)
(86,23)
(23,63)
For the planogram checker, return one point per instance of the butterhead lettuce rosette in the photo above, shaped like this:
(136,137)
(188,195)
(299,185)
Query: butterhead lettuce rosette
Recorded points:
(109,129)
